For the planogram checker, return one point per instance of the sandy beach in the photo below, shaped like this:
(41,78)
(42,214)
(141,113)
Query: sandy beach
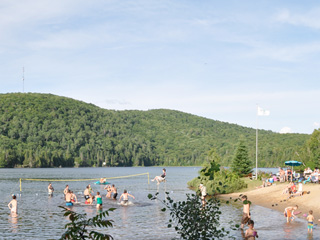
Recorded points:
(272,197)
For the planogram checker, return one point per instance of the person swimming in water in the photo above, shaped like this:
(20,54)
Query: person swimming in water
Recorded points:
(125,196)
(160,178)
(13,205)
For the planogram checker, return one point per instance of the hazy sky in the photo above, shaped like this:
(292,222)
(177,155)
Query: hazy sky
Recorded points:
(216,59)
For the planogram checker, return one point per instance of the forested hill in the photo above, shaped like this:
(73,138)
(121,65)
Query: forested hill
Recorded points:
(43,130)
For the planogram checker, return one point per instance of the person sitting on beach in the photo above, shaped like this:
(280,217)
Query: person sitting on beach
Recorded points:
(50,189)
(99,200)
(13,205)
(310,220)
(289,213)
(293,188)
(251,233)
(287,189)
(246,211)
(160,178)
(109,191)
(125,196)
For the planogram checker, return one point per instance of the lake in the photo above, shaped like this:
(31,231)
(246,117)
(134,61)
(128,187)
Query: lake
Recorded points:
(39,216)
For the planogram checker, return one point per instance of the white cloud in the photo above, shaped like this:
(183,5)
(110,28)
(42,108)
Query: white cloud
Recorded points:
(309,19)
(316,125)
(285,130)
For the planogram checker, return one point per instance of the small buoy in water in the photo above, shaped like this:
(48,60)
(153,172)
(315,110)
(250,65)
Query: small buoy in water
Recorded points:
(36,194)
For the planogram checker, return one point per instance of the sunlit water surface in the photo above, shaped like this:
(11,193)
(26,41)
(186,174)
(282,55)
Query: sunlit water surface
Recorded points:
(39,216)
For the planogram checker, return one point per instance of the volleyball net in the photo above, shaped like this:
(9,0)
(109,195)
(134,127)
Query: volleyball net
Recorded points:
(79,180)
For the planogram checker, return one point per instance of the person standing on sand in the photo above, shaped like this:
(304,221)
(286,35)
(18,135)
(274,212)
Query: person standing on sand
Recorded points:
(246,211)
(13,205)
(310,219)
(289,213)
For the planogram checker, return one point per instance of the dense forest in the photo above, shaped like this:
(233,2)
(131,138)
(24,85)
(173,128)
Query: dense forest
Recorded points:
(44,130)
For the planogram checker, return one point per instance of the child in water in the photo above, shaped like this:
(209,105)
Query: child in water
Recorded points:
(310,219)
(251,233)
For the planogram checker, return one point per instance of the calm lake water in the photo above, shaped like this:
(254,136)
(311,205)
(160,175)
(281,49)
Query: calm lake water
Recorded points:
(39,216)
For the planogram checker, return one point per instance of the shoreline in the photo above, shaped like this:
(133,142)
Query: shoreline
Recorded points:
(271,197)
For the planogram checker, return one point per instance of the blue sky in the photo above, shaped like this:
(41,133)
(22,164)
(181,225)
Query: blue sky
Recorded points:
(216,59)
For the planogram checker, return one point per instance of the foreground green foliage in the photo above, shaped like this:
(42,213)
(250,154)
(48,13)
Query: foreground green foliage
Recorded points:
(216,179)
(191,220)
(77,229)
(43,130)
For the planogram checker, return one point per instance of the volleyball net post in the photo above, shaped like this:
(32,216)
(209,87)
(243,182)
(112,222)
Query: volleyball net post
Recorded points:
(78,180)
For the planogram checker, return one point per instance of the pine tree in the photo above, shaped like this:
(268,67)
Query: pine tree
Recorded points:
(241,163)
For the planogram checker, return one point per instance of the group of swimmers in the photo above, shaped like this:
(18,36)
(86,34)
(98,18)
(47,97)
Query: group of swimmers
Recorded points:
(71,198)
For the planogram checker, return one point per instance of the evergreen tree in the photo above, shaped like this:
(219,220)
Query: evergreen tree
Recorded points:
(241,163)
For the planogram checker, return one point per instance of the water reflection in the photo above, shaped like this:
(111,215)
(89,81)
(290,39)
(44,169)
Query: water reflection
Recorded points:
(13,220)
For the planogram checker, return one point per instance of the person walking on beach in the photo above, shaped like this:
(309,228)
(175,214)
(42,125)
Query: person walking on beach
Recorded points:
(246,211)
(310,220)
(289,213)
(13,205)
(251,233)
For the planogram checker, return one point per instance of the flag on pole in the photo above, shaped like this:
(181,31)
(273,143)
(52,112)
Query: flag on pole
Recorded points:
(262,112)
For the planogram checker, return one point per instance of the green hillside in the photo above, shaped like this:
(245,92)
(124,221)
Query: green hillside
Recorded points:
(43,130)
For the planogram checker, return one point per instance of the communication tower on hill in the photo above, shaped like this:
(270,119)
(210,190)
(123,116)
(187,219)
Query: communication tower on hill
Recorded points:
(22,79)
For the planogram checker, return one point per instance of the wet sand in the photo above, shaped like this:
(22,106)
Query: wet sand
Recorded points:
(272,197)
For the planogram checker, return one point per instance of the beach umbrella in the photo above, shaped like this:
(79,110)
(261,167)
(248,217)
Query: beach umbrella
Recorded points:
(292,163)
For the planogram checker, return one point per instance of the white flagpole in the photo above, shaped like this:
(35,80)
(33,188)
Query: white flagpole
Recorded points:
(257,147)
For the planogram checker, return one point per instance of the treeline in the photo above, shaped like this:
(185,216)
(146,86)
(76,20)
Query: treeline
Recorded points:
(43,130)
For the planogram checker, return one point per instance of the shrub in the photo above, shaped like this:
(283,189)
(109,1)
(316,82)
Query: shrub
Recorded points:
(77,228)
(191,220)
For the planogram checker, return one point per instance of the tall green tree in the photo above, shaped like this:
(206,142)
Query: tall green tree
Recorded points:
(241,163)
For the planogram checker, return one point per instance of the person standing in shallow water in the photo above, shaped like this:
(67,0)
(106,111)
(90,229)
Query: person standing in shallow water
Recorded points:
(246,211)
(13,205)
